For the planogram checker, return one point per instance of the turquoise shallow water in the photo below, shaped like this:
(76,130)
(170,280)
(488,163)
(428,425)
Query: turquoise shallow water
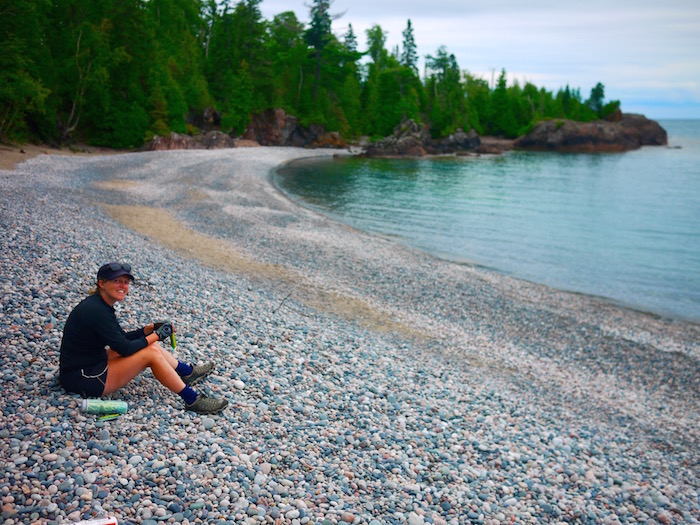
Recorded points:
(622,226)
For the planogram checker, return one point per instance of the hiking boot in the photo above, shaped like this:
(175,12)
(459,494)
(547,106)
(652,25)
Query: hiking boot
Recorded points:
(198,372)
(206,405)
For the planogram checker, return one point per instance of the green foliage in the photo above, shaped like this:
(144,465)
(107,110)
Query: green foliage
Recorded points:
(318,37)
(409,54)
(595,101)
(446,98)
(610,108)
(397,98)
(22,91)
(117,72)
(376,40)
(478,96)
(237,106)
(350,40)
(502,121)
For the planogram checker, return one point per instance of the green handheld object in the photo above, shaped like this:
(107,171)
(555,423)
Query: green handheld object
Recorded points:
(172,341)
(108,417)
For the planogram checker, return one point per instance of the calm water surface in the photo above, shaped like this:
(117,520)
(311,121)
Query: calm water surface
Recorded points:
(622,226)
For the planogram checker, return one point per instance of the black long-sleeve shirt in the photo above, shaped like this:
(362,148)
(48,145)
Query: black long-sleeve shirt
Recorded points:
(90,328)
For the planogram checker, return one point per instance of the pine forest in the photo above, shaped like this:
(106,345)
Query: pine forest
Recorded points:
(116,73)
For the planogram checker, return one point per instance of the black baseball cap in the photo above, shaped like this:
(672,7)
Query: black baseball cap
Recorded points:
(113,270)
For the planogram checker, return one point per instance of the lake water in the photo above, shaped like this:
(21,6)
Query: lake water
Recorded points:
(623,226)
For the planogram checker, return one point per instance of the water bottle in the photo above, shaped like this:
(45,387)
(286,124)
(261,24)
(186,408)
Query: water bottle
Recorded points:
(103,406)
(99,521)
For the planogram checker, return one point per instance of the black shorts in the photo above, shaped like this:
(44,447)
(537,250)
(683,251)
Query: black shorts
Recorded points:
(88,382)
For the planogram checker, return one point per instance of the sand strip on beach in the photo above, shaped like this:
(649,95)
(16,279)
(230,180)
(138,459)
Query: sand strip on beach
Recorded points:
(161,225)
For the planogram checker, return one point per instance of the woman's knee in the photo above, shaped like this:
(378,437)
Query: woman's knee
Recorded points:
(153,354)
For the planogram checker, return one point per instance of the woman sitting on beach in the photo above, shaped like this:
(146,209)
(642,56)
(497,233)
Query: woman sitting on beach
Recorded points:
(98,357)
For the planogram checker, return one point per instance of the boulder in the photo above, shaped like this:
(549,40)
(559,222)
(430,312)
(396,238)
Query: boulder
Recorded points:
(275,127)
(302,137)
(217,140)
(457,141)
(648,132)
(407,140)
(173,141)
(207,119)
(628,133)
(329,140)
(212,140)
(272,128)
(411,140)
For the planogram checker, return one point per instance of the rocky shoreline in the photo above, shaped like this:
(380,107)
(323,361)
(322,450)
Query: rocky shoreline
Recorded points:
(367,383)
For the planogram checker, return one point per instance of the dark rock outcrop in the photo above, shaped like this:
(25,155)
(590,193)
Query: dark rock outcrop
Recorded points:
(212,140)
(494,145)
(275,127)
(411,140)
(329,140)
(217,140)
(270,128)
(174,141)
(407,140)
(648,132)
(628,133)
(457,142)
(207,119)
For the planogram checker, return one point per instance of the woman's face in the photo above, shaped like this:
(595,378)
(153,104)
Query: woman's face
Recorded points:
(114,290)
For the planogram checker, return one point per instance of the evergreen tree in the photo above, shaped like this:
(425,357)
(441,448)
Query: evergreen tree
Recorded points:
(397,97)
(502,121)
(22,91)
(256,61)
(237,107)
(318,36)
(350,40)
(121,119)
(350,93)
(371,103)
(238,53)
(115,72)
(330,63)
(567,102)
(445,92)
(596,100)
(533,103)
(409,56)
(376,40)
(287,51)
(478,96)
(80,70)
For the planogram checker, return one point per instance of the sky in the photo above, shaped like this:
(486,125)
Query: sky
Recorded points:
(646,53)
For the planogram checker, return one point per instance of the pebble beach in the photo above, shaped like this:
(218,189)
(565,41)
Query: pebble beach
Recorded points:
(367,383)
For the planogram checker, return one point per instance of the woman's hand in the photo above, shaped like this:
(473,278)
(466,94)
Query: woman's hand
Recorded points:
(156,325)
(165,330)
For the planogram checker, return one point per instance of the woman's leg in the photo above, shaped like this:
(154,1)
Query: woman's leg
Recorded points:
(170,358)
(121,369)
